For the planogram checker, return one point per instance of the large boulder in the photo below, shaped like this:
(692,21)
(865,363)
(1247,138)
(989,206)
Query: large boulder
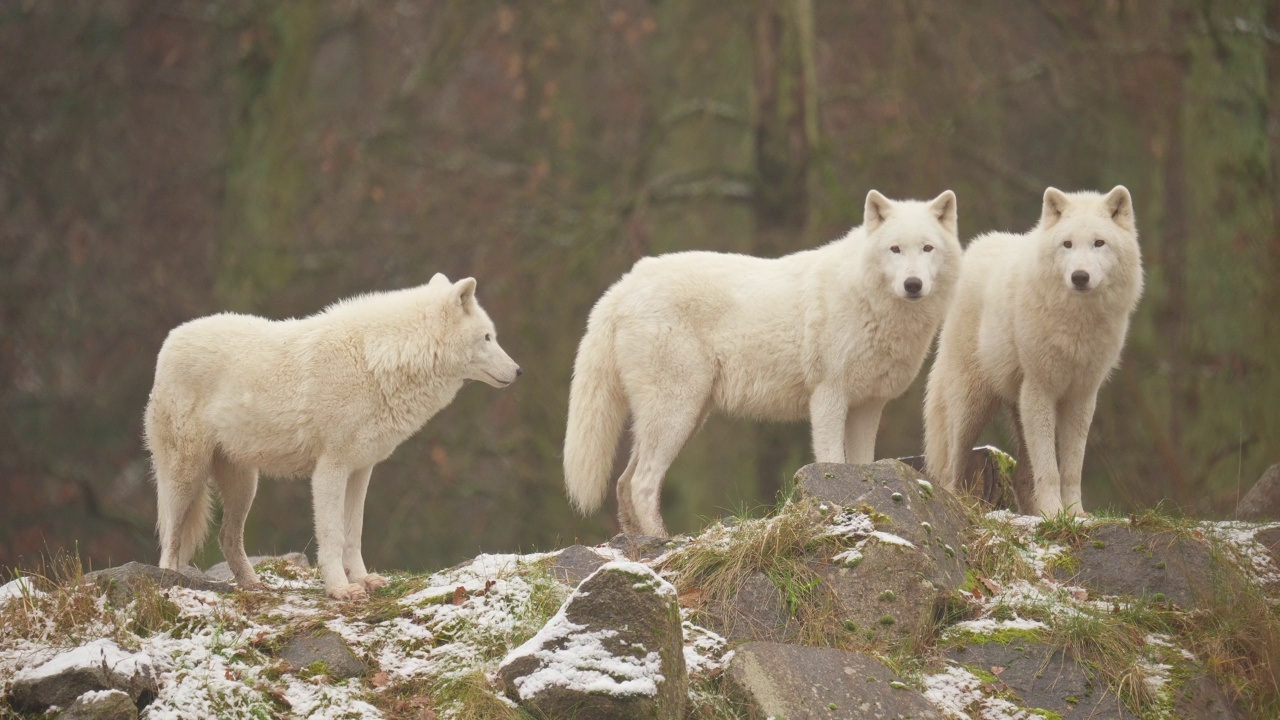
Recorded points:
(892,583)
(1119,559)
(99,665)
(1262,502)
(121,583)
(807,683)
(614,650)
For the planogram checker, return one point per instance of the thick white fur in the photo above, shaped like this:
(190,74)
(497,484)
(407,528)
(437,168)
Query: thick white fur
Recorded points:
(329,396)
(1020,332)
(829,334)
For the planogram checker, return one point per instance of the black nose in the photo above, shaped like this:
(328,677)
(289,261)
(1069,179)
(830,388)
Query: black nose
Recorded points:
(912,285)
(519,372)
(1080,279)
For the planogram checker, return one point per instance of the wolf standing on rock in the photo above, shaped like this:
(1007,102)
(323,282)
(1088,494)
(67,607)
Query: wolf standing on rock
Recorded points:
(330,396)
(1038,323)
(829,334)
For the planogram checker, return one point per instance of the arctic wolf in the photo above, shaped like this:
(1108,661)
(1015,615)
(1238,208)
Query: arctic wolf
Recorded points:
(1037,323)
(829,334)
(330,396)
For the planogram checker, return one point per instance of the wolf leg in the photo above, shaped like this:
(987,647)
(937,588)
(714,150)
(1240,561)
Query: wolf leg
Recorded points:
(237,485)
(828,408)
(1039,425)
(328,496)
(1073,428)
(970,416)
(658,442)
(353,526)
(627,518)
(861,426)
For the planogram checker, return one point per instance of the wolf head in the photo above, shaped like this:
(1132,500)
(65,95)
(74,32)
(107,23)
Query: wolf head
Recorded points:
(912,246)
(472,342)
(1089,243)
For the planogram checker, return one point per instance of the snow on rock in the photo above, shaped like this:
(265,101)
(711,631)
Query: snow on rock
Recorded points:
(955,691)
(21,587)
(98,665)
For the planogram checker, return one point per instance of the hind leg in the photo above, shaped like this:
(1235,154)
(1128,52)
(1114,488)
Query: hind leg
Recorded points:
(627,518)
(352,559)
(660,436)
(968,419)
(237,485)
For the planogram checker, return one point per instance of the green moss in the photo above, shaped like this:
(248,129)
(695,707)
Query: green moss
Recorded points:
(1003,636)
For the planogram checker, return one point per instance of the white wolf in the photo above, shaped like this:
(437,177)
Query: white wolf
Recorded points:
(329,395)
(830,334)
(1038,323)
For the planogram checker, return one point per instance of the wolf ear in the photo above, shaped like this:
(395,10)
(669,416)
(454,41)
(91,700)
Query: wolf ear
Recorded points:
(877,211)
(1055,203)
(438,278)
(466,291)
(944,208)
(1120,206)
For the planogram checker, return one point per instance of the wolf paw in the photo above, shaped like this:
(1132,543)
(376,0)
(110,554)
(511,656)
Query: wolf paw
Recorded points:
(354,591)
(373,581)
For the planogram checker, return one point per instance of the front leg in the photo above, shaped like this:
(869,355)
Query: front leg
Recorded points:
(1074,419)
(828,409)
(1039,426)
(860,431)
(352,560)
(328,497)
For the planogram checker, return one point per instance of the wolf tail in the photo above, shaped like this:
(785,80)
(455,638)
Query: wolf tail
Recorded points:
(597,411)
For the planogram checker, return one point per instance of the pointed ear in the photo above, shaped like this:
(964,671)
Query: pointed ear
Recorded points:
(944,208)
(877,211)
(1120,206)
(1055,203)
(438,278)
(466,292)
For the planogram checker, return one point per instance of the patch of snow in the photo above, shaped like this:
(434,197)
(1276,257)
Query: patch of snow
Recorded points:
(574,659)
(849,557)
(21,587)
(94,654)
(704,651)
(989,626)
(850,523)
(891,539)
(956,690)
(1253,557)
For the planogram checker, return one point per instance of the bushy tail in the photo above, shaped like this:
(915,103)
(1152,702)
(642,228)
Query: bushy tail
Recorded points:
(182,493)
(597,411)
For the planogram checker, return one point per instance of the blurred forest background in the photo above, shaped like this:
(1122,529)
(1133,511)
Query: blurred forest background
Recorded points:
(169,159)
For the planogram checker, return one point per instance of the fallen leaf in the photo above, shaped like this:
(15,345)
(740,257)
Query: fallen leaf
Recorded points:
(379,679)
(991,585)
(459,595)
(996,669)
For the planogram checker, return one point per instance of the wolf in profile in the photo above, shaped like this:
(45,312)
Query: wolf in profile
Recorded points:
(1037,324)
(829,334)
(329,396)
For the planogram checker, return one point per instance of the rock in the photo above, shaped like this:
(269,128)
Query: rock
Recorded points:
(640,547)
(574,564)
(614,650)
(1120,560)
(756,612)
(122,582)
(800,683)
(1262,502)
(1267,537)
(990,473)
(222,572)
(101,705)
(1044,677)
(99,665)
(914,561)
(322,646)
(1203,698)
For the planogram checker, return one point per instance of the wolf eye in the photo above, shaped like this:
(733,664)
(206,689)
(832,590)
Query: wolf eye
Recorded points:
(1066,244)
(928,248)
(487,337)
(1099,243)
(895,249)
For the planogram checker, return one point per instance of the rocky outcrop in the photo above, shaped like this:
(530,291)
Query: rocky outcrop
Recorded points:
(101,705)
(1118,559)
(808,683)
(575,564)
(97,666)
(614,650)
(324,652)
(121,583)
(1262,502)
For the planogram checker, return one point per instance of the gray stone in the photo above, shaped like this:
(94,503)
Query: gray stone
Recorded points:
(640,547)
(895,590)
(755,612)
(988,475)
(574,564)
(105,705)
(1262,502)
(808,683)
(304,650)
(1044,677)
(635,663)
(99,665)
(1203,698)
(122,582)
(222,572)
(1118,559)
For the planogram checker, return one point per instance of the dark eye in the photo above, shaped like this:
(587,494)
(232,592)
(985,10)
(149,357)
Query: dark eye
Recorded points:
(895,249)
(928,248)
(1099,243)
(1066,244)
(487,337)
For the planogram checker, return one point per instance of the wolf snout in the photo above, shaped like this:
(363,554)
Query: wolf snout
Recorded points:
(1080,279)
(913,286)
